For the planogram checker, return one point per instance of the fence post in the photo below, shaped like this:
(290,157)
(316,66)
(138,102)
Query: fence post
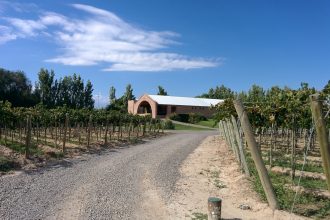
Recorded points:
(260,166)
(233,141)
(225,123)
(322,136)
(89,130)
(224,132)
(28,137)
(65,131)
(220,131)
(240,147)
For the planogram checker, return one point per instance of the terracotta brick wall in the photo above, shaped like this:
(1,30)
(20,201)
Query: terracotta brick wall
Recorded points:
(206,111)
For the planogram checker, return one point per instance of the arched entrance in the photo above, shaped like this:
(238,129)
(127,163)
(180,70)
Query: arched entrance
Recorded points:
(144,108)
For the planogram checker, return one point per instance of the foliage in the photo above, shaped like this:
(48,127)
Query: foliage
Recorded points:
(161,91)
(179,117)
(195,118)
(121,103)
(283,106)
(168,124)
(6,164)
(69,91)
(219,92)
(112,95)
(16,88)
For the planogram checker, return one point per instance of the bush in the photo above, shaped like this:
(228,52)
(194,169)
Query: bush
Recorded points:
(168,124)
(195,118)
(179,117)
(6,164)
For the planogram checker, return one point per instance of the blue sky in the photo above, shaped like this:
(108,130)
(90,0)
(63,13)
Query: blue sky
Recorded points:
(185,46)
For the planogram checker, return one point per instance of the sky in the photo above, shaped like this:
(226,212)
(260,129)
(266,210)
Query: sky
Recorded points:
(185,46)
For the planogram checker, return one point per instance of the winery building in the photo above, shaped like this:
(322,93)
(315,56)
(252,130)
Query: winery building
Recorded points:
(159,106)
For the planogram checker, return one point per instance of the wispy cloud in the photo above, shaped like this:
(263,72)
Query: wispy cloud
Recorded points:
(99,36)
(17,6)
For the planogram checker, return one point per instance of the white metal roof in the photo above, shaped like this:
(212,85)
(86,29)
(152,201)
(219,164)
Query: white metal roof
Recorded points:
(186,101)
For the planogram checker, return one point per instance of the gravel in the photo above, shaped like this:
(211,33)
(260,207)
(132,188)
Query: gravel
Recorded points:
(98,186)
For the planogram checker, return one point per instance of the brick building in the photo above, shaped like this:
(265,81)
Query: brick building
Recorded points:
(162,106)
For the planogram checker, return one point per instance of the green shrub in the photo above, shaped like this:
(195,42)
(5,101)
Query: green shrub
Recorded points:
(179,117)
(168,124)
(6,165)
(195,118)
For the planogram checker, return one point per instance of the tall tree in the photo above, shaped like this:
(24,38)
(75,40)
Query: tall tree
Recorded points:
(44,87)
(219,92)
(16,88)
(256,94)
(128,95)
(89,101)
(161,91)
(326,89)
(112,95)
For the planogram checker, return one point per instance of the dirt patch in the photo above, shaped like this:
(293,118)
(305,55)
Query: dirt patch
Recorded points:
(211,170)
(152,206)
(73,207)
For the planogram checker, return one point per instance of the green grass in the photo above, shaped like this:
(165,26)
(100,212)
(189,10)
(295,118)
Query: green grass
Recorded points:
(20,148)
(306,205)
(285,162)
(199,216)
(209,123)
(186,127)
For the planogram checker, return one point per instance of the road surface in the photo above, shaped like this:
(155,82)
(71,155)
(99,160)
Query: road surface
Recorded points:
(109,185)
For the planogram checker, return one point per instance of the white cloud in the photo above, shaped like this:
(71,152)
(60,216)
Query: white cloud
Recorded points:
(26,28)
(100,36)
(6,34)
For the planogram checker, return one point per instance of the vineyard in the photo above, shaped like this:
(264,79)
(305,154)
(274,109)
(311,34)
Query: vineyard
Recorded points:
(285,136)
(39,134)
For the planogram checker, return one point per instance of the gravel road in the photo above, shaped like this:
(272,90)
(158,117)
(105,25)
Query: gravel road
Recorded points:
(109,185)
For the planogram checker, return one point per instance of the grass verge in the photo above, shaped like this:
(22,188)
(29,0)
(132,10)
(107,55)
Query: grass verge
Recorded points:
(186,127)
(305,205)
(209,123)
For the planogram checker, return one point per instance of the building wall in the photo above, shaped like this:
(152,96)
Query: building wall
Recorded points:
(206,111)
(146,98)
(130,106)
(133,107)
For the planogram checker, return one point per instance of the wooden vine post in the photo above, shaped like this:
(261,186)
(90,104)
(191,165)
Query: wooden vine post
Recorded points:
(322,134)
(106,132)
(89,130)
(256,155)
(240,147)
(55,131)
(66,124)
(28,137)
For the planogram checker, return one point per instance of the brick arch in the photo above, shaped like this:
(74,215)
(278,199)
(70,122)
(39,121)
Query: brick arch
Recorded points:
(146,99)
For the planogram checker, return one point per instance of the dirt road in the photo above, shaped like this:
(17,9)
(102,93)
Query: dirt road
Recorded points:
(126,183)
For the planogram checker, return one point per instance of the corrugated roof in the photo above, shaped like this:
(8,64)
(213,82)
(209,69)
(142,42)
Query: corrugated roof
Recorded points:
(187,101)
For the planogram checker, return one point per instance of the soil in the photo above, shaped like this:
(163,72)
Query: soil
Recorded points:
(211,171)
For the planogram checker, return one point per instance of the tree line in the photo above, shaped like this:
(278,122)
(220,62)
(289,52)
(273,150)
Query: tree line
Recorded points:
(70,91)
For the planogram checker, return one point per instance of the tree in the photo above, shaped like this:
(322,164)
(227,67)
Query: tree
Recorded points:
(219,92)
(112,95)
(88,94)
(256,94)
(44,87)
(326,89)
(16,88)
(161,91)
(128,95)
